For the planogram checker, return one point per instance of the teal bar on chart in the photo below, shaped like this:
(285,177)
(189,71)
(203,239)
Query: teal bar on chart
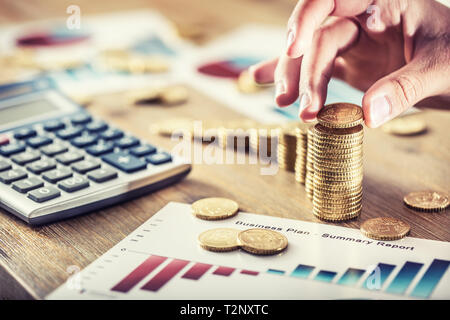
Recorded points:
(430,279)
(275,271)
(404,278)
(302,271)
(351,277)
(378,276)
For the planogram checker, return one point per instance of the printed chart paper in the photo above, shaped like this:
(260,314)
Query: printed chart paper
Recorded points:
(162,260)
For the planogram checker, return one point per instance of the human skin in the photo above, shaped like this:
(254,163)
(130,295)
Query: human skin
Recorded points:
(396,51)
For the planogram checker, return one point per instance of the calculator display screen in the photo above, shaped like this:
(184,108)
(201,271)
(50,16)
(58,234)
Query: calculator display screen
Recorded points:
(26,110)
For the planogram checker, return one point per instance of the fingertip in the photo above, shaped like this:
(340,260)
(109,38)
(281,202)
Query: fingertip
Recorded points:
(309,114)
(284,100)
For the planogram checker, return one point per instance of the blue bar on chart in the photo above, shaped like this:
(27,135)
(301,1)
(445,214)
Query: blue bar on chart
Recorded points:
(302,271)
(378,276)
(430,279)
(351,277)
(325,276)
(275,271)
(404,278)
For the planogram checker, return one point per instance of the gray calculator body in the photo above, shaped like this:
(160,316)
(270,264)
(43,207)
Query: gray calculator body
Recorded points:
(57,161)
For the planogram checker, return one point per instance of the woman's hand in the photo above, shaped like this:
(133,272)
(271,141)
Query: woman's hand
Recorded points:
(397,51)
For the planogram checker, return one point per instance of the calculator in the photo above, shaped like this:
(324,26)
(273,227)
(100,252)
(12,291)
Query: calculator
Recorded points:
(58,161)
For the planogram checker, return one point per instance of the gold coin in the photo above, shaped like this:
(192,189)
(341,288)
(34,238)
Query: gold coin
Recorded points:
(144,95)
(262,241)
(405,126)
(337,218)
(214,208)
(385,228)
(427,201)
(174,95)
(340,115)
(219,240)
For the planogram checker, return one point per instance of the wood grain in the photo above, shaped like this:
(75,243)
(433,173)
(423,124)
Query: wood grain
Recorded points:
(35,260)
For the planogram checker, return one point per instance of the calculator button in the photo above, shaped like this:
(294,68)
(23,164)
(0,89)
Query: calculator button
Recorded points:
(26,157)
(40,166)
(100,149)
(102,175)
(56,175)
(12,175)
(4,165)
(143,150)
(111,134)
(44,194)
(124,162)
(3,139)
(26,185)
(159,158)
(127,142)
(39,141)
(74,184)
(54,125)
(84,141)
(24,133)
(96,126)
(53,149)
(69,157)
(11,149)
(81,118)
(85,166)
(69,133)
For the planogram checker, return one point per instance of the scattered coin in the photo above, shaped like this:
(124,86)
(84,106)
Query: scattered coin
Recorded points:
(144,95)
(246,84)
(405,126)
(174,95)
(385,228)
(262,241)
(340,115)
(171,126)
(431,201)
(219,240)
(214,208)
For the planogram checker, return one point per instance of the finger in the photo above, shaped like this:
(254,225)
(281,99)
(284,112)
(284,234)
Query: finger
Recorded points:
(287,74)
(308,15)
(317,66)
(263,72)
(400,90)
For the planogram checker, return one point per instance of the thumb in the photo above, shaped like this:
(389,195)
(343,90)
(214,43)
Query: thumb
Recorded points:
(400,90)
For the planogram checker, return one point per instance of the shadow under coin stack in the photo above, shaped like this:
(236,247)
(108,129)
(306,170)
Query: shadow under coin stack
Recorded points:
(309,177)
(338,162)
(301,150)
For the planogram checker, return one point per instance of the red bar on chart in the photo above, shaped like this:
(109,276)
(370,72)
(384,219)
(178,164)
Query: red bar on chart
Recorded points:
(138,274)
(224,271)
(197,271)
(165,275)
(250,273)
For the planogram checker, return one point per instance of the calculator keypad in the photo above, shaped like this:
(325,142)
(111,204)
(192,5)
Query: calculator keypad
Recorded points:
(60,157)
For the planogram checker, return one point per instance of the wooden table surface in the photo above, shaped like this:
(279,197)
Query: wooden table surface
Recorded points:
(34,260)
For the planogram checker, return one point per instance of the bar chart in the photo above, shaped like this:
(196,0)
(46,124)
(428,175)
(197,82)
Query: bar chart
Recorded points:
(351,277)
(162,260)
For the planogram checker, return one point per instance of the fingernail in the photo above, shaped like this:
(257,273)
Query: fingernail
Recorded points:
(380,110)
(280,88)
(305,100)
(290,38)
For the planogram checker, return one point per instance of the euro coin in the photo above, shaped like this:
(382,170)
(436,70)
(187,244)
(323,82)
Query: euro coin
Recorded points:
(340,115)
(405,126)
(173,95)
(262,241)
(246,84)
(385,228)
(168,127)
(432,201)
(219,240)
(214,208)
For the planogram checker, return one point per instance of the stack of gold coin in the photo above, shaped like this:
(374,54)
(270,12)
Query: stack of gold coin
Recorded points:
(309,177)
(287,147)
(263,137)
(338,170)
(301,150)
